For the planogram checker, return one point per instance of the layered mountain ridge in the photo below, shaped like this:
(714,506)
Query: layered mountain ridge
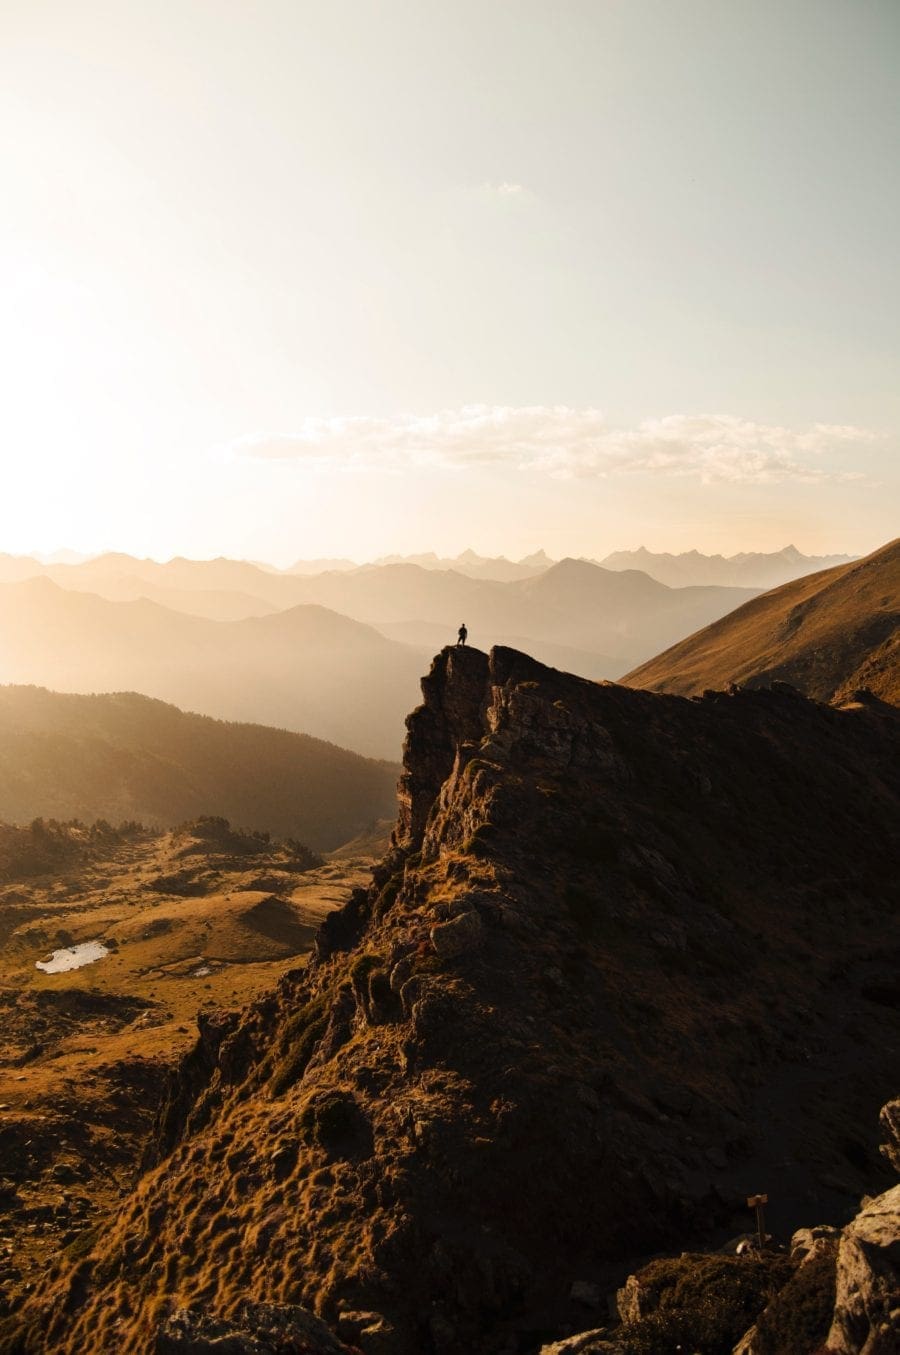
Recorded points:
(612,977)
(747,569)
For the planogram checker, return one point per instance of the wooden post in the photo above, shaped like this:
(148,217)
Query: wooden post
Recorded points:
(757,1202)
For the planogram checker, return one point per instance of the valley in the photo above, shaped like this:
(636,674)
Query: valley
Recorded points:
(190,922)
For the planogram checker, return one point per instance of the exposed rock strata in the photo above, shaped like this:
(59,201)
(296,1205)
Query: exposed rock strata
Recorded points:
(612,976)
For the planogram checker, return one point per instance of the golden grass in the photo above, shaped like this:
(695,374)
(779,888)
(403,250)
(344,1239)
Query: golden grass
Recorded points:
(826,633)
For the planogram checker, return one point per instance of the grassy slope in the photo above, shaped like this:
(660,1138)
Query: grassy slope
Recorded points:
(827,633)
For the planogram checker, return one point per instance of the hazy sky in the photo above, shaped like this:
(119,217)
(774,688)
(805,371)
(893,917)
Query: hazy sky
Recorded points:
(284,278)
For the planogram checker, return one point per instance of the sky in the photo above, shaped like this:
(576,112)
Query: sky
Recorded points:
(288,279)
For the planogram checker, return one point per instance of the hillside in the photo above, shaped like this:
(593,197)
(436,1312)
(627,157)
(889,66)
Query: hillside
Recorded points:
(305,669)
(630,959)
(828,634)
(124,756)
(748,569)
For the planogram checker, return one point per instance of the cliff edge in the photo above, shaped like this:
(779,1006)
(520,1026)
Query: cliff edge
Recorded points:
(630,958)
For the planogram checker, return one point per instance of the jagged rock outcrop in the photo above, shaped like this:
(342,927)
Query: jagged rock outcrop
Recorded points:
(624,963)
(867,1303)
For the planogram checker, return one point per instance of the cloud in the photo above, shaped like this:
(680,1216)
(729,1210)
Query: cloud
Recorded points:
(566,442)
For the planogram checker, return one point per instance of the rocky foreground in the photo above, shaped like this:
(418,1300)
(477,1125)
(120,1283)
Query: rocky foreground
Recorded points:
(630,959)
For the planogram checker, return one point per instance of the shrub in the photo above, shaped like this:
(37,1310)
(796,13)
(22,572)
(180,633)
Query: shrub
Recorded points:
(84,1243)
(302,857)
(388,895)
(706,1303)
(362,967)
(798,1319)
(302,1033)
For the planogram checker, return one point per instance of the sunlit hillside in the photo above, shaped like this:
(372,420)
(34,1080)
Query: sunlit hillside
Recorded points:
(829,634)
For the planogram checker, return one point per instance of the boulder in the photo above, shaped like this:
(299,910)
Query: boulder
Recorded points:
(258,1329)
(808,1242)
(585,1343)
(867,1303)
(458,936)
(370,1332)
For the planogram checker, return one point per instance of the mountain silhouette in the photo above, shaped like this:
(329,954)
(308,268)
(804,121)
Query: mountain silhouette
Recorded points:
(747,569)
(306,669)
(595,621)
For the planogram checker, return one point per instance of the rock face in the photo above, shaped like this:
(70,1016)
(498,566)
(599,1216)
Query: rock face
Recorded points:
(624,964)
(867,1303)
(890,1125)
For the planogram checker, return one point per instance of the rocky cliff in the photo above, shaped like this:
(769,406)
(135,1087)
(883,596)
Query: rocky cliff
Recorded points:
(630,958)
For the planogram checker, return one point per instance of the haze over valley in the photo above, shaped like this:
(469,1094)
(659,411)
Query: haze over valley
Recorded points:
(335,654)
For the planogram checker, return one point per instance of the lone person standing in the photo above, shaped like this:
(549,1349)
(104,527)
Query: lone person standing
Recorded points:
(462,635)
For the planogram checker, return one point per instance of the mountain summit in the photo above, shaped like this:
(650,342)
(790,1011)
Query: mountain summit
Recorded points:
(612,976)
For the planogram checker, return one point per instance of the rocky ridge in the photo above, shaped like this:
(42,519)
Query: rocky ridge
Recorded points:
(612,976)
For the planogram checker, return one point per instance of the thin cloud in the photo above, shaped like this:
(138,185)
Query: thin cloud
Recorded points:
(566,443)
(509,190)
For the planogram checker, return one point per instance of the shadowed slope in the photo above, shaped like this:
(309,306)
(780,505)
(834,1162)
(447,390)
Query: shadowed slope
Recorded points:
(124,756)
(827,634)
(626,961)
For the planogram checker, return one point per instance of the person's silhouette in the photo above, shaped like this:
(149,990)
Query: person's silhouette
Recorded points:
(462,634)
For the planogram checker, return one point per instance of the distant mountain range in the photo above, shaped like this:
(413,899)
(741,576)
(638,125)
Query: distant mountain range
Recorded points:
(305,668)
(475,566)
(573,604)
(752,569)
(335,654)
(827,634)
(574,614)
